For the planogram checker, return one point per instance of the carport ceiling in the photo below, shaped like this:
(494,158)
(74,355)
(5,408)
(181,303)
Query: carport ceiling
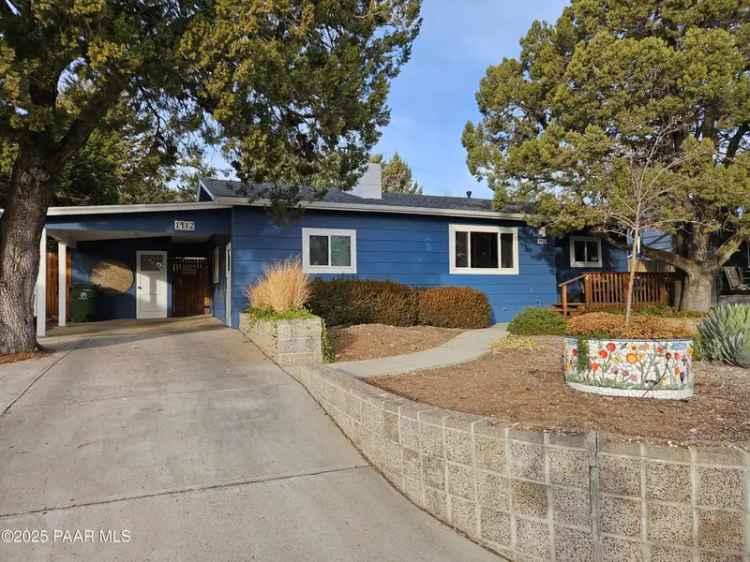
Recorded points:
(88,235)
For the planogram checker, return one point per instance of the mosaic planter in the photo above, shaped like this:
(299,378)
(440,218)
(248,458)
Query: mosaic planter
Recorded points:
(636,368)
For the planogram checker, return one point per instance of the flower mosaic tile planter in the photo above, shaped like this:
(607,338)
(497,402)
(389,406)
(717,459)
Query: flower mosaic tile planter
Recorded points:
(636,368)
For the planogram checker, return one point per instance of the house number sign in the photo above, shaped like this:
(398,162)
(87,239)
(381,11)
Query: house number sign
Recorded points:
(184,226)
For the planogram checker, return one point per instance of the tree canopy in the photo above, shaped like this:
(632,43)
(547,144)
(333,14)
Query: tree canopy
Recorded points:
(608,78)
(397,175)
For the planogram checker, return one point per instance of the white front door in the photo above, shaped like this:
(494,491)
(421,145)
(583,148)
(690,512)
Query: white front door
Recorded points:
(228,291)
(151,283)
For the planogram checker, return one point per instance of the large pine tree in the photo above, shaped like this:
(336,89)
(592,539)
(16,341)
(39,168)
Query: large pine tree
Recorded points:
(625,73)
(287,83)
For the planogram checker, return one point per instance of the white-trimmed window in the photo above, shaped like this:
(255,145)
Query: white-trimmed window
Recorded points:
(326,250)
(215,266)
(585,251)
(483,250)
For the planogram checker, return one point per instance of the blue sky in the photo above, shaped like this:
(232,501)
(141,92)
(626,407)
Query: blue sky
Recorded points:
(433,97)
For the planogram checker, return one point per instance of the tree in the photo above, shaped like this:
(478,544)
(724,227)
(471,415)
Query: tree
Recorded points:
(630,70)
(397,176)
(285,83)
(118,165)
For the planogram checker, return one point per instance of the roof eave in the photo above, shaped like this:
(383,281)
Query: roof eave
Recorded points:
(135,208)
(392,209)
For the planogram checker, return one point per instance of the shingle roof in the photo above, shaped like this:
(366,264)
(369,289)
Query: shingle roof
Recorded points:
(229,188)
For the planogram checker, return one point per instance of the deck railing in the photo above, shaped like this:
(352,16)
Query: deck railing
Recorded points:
(605,289)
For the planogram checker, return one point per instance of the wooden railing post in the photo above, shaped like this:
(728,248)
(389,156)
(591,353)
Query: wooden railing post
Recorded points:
(564,297)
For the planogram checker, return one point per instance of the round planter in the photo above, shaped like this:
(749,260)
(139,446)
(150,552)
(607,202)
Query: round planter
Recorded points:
(636,368)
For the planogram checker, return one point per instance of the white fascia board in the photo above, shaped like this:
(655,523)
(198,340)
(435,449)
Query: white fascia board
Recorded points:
(394,209)
(137,208)
(204,186)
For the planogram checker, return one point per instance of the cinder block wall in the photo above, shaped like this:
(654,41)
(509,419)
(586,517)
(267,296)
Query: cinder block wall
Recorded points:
(533,496)
(288,342)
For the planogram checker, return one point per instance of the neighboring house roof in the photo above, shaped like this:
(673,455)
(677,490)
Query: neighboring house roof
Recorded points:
(233,192)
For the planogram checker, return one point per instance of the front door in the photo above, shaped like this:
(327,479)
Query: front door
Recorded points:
(151,283)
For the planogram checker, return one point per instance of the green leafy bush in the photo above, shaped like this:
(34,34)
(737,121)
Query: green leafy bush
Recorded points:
(354,301)
(453,307)
(537,322)
(259,314)
(725,334)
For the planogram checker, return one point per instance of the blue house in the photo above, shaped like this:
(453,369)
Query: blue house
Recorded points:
(161,260)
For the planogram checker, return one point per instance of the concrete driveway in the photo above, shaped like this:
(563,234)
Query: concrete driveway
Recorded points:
(180,441)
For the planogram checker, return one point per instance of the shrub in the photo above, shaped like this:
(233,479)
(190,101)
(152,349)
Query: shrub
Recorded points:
(537,322)
(354,301)
(725,334)
(453,307)
(607,325)
(656,310)
(283,287)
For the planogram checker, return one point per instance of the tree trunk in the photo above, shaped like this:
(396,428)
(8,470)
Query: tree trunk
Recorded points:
(631,277)
(699,290)
(20,232)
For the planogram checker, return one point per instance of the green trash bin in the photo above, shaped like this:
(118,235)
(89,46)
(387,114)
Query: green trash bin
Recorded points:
(83,305)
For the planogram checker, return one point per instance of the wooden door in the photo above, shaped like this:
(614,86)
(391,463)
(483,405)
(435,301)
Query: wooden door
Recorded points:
(191,286)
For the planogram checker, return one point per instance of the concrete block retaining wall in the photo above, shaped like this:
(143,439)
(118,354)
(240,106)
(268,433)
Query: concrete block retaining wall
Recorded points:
(533,496)
(287,342)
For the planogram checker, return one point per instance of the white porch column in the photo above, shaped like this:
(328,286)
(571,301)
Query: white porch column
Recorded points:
(62,282)
(41,288)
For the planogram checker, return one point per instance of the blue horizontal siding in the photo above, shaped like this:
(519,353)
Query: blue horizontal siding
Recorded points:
(403,248)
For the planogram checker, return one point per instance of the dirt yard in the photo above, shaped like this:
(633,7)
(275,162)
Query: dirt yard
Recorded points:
(6,358)
(373,341)
(524,384)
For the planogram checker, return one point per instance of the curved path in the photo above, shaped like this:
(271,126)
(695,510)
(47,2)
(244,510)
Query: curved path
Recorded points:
(464,347)
(185,443)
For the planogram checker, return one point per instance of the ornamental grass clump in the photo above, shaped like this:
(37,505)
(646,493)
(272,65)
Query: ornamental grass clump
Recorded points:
(284,287)
(604,325)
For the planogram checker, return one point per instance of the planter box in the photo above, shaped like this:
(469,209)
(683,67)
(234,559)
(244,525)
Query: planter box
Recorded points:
(637,368)
(287,342)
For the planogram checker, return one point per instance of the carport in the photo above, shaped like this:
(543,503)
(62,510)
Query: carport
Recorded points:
(145,261)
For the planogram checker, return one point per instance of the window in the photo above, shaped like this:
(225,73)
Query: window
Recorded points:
(215,266)
(488,250)
(585,251)
(329,251)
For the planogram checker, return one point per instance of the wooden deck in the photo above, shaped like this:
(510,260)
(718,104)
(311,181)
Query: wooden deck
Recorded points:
(608,289)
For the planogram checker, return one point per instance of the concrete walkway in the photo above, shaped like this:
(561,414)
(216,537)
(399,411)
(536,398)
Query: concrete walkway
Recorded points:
(464,347)
(181,441)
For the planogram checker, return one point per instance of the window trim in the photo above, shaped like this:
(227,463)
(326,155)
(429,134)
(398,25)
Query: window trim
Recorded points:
(585,264)
(453,228)
(307,268)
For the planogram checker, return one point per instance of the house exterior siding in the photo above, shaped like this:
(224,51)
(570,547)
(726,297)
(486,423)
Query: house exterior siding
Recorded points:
(408,249)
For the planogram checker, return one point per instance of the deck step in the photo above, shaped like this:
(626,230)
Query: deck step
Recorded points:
(574,308)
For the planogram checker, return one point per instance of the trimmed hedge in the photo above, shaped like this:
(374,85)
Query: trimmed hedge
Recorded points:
(536,321)
(454,307)
(354,301)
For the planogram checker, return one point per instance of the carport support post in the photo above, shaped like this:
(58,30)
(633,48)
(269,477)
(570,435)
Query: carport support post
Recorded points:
(41,288)
(62,282)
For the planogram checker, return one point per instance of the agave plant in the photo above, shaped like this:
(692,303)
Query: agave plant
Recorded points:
(725,334)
